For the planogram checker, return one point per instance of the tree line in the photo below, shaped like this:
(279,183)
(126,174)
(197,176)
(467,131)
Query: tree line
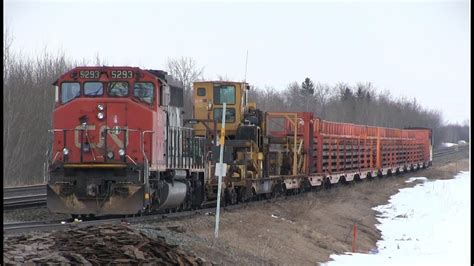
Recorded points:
(28,99)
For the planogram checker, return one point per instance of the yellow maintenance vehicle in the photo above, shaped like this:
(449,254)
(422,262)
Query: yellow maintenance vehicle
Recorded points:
(243,149)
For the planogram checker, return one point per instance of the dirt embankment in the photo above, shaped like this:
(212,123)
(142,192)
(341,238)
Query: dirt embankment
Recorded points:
(303,230)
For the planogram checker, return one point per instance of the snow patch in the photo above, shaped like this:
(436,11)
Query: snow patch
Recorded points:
(428,224)
(448,144)
(412,179)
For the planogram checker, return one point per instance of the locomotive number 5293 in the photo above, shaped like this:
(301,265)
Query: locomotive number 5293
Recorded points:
(124,74)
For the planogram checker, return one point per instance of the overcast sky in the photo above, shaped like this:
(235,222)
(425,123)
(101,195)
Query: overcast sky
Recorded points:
(414,49)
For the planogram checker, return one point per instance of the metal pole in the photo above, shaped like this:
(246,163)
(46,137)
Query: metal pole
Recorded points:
(219,183)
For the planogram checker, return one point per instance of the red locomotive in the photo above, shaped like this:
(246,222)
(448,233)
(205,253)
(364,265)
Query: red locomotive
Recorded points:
(119,145)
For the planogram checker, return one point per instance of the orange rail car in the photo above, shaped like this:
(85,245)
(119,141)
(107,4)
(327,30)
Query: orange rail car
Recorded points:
(329,152)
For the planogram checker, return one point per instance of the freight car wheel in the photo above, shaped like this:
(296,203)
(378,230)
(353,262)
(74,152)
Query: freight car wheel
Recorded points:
(379,174)
(357,178)
(342,181)
(278,190)
(305,185)
(369,177)
(269,196)
(327,183)
(243,194)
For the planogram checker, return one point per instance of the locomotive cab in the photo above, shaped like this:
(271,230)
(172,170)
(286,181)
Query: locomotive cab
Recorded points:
(209,97)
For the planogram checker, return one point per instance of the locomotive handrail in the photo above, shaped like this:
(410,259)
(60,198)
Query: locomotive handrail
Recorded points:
(143,142)
(142,135)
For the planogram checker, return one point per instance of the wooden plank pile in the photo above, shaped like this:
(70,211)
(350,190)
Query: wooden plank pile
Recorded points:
(105,244)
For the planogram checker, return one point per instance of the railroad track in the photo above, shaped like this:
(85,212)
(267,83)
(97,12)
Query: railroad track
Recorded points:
(450,150)
(24,197)
(19,202)
(38,226)
(9,192)
(33,196)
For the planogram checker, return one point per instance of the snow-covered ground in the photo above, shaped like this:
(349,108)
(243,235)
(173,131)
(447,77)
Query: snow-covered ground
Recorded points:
(448,144)
(428,224)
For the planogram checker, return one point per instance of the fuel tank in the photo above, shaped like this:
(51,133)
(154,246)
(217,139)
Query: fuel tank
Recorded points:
(172,195)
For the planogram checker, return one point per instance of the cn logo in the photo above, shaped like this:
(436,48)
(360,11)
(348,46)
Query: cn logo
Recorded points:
(101,142)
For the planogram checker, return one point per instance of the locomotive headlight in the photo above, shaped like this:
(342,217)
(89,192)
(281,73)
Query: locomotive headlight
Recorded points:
(65,151)
(121,152)
(110,154)
(100,107)
(100,115)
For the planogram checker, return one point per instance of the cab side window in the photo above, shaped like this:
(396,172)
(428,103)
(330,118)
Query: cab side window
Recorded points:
(143,91)
(69,91)
(201,92)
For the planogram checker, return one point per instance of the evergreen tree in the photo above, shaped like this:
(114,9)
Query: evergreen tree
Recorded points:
(307,86)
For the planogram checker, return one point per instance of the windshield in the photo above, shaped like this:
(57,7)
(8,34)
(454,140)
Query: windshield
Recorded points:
(224,94)
(93,88)
(118,89)
(229,115)
(69,91)
(143,91)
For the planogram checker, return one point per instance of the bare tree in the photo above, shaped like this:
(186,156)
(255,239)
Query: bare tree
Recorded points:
(186,70)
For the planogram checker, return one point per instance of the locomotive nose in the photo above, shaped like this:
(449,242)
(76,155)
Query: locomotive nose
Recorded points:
(100,135)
